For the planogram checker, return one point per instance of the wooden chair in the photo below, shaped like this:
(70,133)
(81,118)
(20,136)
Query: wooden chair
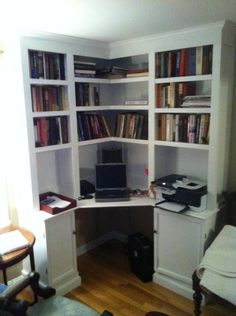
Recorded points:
(200,291)
(217,272)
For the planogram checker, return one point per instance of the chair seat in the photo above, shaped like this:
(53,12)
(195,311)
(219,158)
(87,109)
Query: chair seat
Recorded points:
(60,306)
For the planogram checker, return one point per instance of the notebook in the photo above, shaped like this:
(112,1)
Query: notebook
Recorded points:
(111,182)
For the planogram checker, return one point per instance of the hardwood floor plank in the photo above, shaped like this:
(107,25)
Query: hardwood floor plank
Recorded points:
(108,283)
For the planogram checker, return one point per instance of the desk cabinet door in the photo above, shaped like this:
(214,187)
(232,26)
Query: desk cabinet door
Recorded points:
(179,245)
(61,249)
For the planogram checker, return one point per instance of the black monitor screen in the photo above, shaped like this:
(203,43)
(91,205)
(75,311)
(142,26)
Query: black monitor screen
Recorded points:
(111,175)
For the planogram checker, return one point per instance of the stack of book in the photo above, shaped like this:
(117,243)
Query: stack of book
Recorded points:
(113,72)
(136,102)
(133,73)
(84,69)
(196,101)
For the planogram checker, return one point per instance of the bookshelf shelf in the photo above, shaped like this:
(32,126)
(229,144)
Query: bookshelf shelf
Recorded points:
(130,140)
(183,110)
(111,81)
(95,141)
(181,145)
(113,139)
(91,80)
(53,148)
(129,80)
(50,113)
(121,107)
(50,82)
(184,79)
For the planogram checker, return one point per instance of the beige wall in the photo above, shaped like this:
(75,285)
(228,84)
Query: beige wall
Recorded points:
(94,223)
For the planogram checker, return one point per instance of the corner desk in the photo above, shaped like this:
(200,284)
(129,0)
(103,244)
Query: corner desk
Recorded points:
(179,244)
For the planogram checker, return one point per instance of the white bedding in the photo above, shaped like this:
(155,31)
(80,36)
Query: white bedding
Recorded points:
(217,269)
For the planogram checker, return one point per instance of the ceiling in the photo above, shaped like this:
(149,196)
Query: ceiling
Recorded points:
(112,20)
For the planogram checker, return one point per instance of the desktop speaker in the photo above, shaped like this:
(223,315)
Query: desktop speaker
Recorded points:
(140,250)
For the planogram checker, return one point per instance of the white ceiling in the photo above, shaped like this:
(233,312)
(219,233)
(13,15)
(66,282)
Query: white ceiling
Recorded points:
(112,20)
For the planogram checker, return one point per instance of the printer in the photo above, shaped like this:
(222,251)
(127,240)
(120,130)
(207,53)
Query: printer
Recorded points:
(183,190)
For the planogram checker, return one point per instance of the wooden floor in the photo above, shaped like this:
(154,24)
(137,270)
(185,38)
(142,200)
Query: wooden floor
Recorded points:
(107,283)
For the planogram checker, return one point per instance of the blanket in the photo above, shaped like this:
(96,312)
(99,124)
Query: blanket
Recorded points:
(217,269)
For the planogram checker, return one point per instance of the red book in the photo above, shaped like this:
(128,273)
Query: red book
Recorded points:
(182,62)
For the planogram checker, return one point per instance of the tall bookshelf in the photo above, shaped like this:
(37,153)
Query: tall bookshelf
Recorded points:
(106,102)
(121,100)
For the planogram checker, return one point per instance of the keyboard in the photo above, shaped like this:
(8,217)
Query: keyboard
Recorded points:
(112,195)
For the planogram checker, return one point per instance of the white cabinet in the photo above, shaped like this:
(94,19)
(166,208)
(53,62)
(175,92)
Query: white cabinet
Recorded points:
(55,251)
(180,241)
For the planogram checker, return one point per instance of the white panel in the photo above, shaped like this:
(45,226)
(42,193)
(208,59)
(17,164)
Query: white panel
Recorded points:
(61,246)
(179,244)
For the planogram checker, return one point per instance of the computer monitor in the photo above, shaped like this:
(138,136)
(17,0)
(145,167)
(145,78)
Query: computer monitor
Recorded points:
(111,176)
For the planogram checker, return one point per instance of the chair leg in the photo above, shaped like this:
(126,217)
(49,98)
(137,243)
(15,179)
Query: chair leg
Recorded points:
(197,296)
(44,292)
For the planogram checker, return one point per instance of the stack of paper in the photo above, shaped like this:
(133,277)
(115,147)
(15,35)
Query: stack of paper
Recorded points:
(11,241)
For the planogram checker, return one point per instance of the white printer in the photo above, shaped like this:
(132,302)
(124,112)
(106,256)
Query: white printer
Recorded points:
(183,190)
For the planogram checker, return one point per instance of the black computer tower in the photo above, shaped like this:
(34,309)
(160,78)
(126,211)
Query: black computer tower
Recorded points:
(140,250)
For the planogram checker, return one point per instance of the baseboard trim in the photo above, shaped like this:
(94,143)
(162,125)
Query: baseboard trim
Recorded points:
(101,240)
(172,284)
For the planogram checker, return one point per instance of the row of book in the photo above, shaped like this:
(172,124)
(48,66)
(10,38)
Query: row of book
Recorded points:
(44,65)
(130,125)
(191,128)
(48,98)
(184,62)
(170,95)
(174,95)
(51,131)
(92,126)
(87,94)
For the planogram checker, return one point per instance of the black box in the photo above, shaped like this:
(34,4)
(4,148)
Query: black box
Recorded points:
(140,250)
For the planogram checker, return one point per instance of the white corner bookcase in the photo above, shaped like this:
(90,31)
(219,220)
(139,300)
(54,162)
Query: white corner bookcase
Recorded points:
(60,167)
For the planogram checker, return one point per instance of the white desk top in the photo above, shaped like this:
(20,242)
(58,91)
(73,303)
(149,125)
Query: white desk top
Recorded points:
(134,201)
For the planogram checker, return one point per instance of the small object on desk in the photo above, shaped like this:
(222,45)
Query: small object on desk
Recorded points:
(55,203)
(11,241)
(152,190)
(85,197)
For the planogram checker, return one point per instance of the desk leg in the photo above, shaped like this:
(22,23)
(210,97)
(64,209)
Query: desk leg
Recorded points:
(4,276)
(197,296)
(32,265)
(32,262)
